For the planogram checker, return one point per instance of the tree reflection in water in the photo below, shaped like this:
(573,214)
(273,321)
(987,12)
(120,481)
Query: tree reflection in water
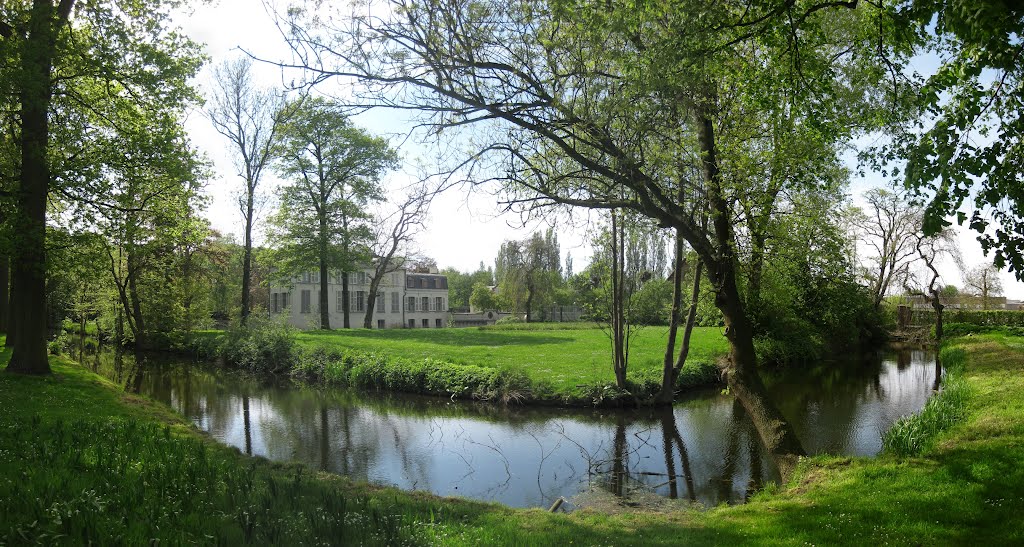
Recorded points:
(704,450)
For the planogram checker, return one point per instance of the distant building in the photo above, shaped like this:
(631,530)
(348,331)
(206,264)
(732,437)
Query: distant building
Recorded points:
(404,300)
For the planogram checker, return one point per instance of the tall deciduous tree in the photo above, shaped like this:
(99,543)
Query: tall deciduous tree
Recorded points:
(392,241)
(334,169)
(528,270)
(250,117)
(888,228)
(984,282)
(124,49)
(930,251)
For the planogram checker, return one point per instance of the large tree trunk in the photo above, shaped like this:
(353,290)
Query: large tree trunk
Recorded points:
(325,312)
(247,254)
(371,297)
(138,322)
(691,319)
(29,287)
(618,318)
(12,326)
(741,369)
(5,285)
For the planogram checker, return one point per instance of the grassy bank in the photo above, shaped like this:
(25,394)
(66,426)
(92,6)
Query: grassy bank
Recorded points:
(536,365)
(83,461)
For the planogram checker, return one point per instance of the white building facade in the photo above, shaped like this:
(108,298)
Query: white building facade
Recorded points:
(404,300)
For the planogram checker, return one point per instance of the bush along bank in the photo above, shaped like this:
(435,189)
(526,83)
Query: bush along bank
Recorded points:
(268,348)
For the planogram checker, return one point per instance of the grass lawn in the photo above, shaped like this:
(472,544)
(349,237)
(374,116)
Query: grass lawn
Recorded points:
(80,461)
(564,358)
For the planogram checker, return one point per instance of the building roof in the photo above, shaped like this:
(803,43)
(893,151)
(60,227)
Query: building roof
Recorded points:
(426,281)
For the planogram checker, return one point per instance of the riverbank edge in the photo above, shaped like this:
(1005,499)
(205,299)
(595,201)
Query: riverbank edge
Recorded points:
(969,487)
(376,371)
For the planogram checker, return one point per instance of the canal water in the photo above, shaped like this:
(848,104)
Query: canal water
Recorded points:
(703,450)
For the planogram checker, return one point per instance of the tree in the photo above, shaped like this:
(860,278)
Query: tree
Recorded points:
(461,285)
(983,281)
(888,228)
(482,298)
(527,271)
(335,170)
(124,50)
(393,237)
(251,119)
(150,189)
(930,250)
(972,149)
(617,106)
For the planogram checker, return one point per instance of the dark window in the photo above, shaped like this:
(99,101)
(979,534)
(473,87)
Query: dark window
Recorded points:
(380,323)
(412,323)
(437,323)
(426,323)
(305,302)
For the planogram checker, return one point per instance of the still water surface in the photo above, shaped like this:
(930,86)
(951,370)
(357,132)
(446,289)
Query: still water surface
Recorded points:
(704,449)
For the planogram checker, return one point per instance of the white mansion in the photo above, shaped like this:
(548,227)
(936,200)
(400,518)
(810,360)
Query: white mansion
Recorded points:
(410,300)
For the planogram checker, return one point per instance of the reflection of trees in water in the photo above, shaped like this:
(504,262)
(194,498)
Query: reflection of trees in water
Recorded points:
(707,450)
(616,469)
(672,441)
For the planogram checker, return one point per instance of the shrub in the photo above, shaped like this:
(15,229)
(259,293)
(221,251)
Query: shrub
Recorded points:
(1008,318)
(262,345)
(951,330)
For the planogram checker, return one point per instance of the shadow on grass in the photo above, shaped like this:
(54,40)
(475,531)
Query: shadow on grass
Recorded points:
(448,337)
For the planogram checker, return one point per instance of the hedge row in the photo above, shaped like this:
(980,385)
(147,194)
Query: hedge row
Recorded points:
(1005,318)
(272,349)
(442,378)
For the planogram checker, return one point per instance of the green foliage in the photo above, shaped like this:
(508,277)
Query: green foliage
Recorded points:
(461,285)
(482,298)
(262,345)
(129,482)
(334,170)
(427,376)
(528,272)
(953,330)
(914,435)
(1008,318)
(971,152)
